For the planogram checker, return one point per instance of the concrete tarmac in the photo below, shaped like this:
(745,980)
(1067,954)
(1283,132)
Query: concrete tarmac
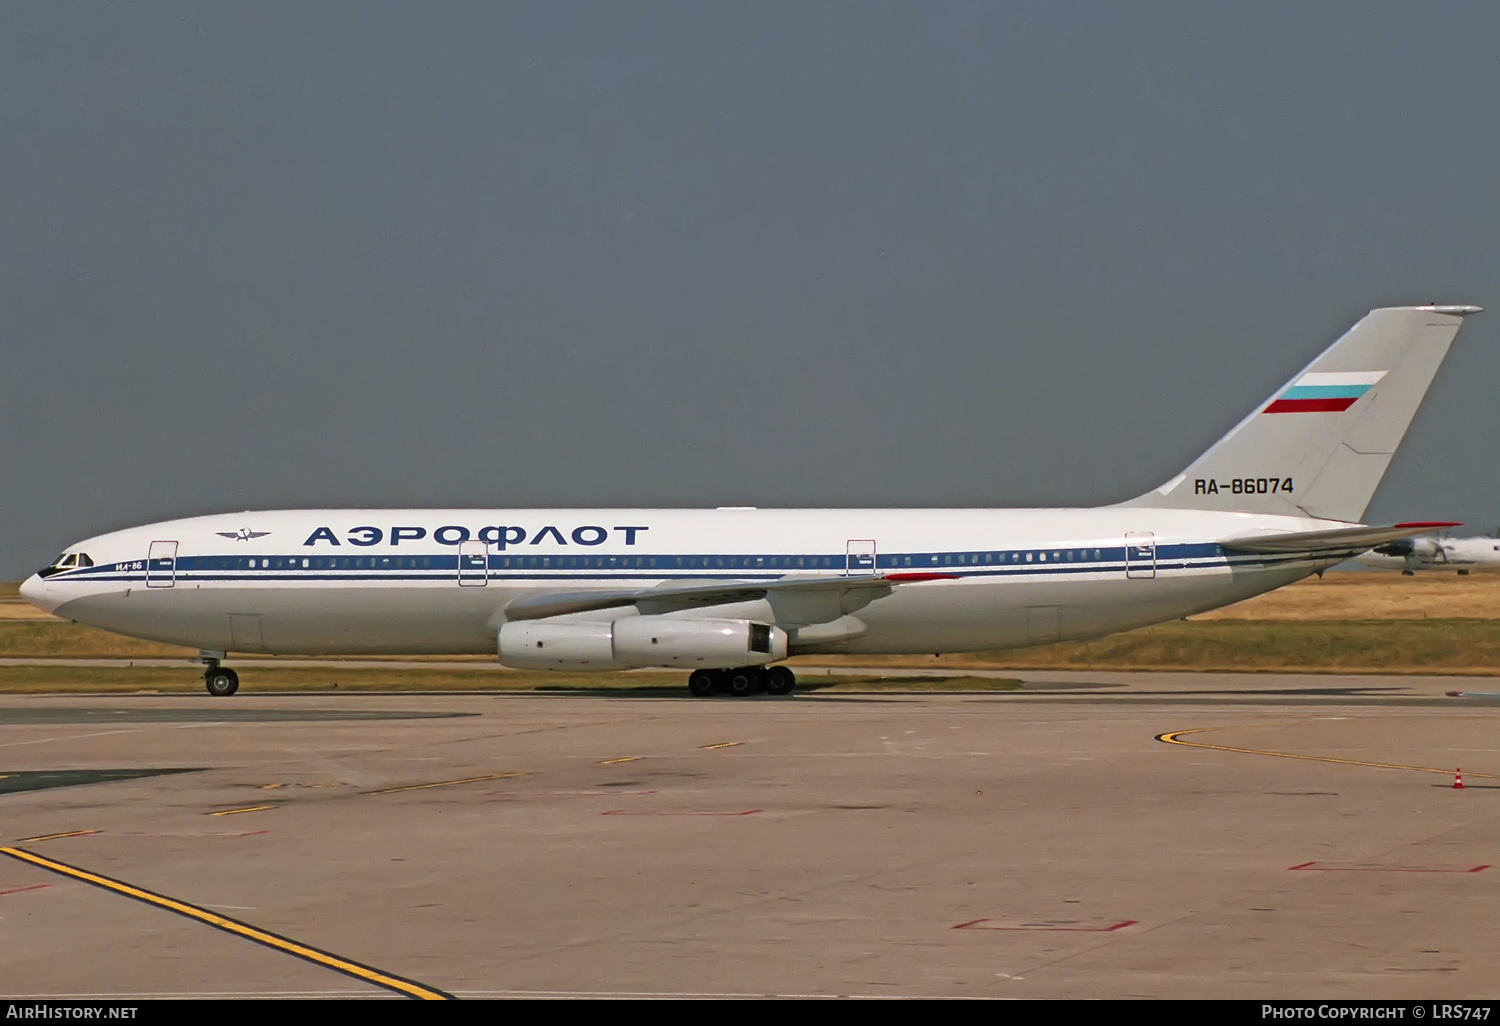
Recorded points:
(1301,838)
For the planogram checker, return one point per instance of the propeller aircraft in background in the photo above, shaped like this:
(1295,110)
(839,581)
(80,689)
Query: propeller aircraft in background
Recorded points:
(1436,552)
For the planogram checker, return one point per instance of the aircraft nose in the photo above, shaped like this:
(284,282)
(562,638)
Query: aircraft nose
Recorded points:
(36,591)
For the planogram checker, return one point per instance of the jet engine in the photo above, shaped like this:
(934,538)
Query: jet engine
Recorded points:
(638,641)
(1419,548)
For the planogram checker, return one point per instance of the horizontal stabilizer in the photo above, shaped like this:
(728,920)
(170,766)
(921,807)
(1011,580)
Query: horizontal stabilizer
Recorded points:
(821,592)
(1334,542)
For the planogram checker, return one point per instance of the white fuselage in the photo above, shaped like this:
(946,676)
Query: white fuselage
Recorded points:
(439,581)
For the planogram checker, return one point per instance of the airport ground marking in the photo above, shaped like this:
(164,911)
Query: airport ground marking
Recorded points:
(611,793)
(1052,925)
(721,744)
(624,758)
(65,833)
(286,945)
(236,812)
(18,890)
(1174,737)
(1341,867)
(448,783)
(631,812)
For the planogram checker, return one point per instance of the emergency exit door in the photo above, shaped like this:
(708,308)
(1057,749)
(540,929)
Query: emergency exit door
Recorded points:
(859,557)
(1140,554)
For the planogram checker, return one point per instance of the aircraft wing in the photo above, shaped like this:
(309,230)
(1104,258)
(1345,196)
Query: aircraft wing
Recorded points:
(796,600)
(1334,542)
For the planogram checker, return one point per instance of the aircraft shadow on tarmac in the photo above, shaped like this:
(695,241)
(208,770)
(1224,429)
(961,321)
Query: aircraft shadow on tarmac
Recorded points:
(43,780)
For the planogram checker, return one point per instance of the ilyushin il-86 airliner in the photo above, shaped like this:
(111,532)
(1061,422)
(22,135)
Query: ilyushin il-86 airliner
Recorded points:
(727,594)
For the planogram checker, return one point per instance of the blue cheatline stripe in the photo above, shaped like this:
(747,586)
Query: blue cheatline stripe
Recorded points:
(439,567)
(1325,391)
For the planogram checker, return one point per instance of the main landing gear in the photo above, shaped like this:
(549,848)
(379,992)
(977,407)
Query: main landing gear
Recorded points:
(221,683)
(745,680)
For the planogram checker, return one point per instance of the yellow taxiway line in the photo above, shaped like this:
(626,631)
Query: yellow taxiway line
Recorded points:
(251,933)
(236,812)
(1174,737)
(65,833)
(447,783)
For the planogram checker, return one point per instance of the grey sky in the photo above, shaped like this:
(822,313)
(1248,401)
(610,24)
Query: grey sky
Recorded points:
(284,255)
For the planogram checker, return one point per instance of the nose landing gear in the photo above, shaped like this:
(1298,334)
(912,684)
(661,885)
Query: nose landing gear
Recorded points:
(742,681)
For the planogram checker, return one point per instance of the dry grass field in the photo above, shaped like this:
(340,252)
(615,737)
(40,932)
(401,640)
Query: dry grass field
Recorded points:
(1373,596)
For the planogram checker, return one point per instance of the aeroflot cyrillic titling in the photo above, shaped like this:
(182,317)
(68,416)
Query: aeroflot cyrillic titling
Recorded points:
(457,534)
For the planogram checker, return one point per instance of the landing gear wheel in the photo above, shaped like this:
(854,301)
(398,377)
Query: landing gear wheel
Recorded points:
(221,683)
(780,680)
(703,683)
(743,681)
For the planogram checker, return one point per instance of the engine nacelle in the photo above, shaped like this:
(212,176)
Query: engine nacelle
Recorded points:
(539,645)
(715,644)
(639,641)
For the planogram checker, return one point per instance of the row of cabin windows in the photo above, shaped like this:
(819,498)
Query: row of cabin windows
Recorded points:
(316,563)
(1056,556)
(638,562)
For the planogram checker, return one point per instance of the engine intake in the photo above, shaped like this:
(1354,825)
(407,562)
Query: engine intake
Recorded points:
(639,641)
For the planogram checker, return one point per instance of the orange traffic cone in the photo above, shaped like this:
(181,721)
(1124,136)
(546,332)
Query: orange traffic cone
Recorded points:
(1458,780)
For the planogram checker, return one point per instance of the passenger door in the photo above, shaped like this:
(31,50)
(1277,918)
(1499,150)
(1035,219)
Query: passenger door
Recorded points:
(473,564)
(161,564)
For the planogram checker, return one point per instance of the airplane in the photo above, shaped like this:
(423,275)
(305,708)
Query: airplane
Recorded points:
(728,594)
(1436,552)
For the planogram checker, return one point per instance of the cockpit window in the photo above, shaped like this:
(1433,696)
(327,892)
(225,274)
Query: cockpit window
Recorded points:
(66,561)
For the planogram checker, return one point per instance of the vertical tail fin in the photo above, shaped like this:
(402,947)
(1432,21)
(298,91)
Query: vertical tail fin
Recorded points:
(1319,446)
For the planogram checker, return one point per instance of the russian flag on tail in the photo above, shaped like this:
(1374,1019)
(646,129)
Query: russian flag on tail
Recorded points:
(1325,392)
